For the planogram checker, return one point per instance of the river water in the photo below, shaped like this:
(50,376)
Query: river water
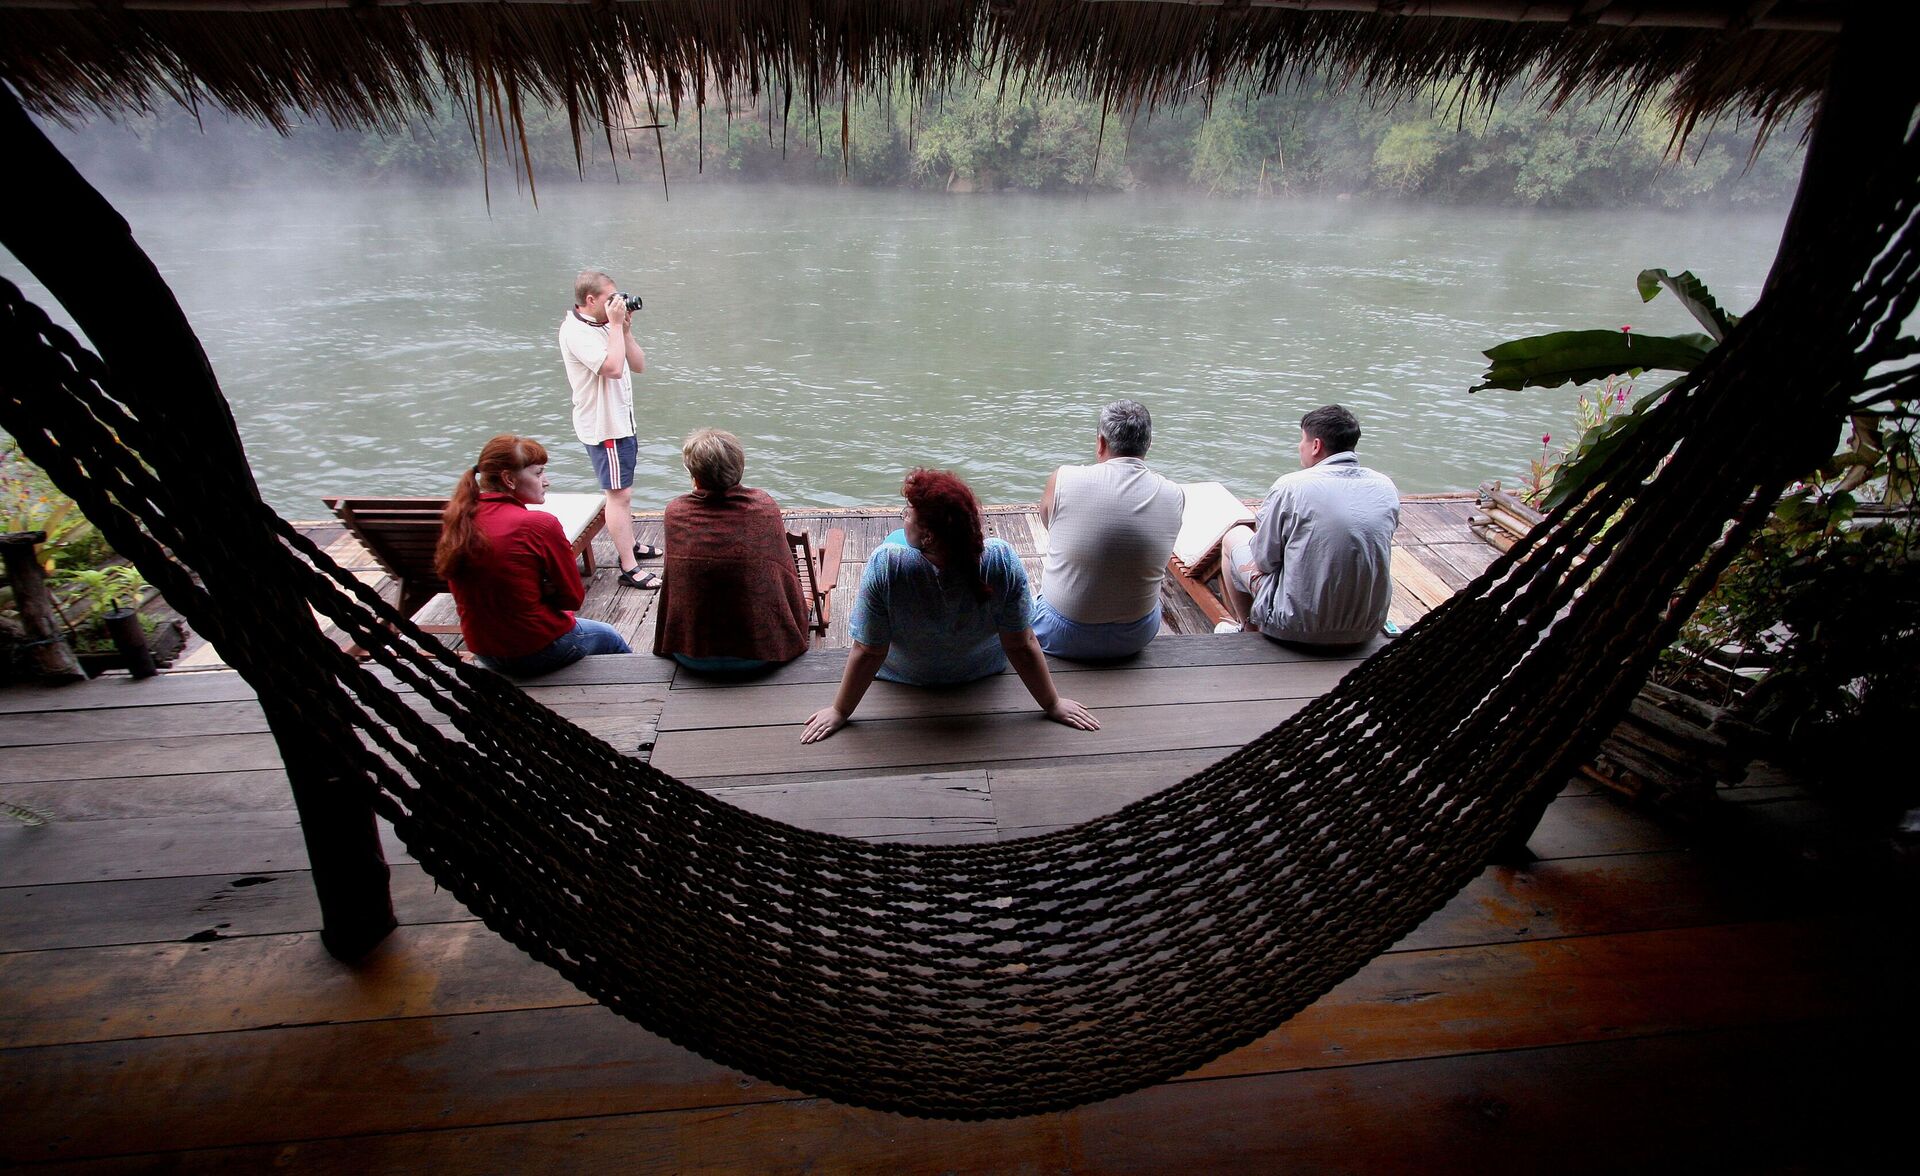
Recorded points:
(370,341)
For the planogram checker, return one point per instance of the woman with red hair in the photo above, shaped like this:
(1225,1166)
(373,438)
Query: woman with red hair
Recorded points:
(511,569)
(940,605)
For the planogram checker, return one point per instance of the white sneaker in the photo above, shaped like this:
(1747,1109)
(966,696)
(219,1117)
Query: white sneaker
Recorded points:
(1228,627)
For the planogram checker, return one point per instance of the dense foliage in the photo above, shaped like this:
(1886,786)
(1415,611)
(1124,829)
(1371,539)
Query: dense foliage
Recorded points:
(1316,140)
(1812,633)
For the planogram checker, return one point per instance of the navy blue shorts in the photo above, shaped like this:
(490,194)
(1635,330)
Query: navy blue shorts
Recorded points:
(613,462)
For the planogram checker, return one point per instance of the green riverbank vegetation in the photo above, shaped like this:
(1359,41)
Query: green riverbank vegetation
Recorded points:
(1316,141)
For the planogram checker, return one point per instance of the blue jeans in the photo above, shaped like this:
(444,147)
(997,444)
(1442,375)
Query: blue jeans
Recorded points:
(1062,637)
(586,637)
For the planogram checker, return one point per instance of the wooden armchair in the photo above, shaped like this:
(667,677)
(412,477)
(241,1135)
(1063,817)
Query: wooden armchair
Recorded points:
(819,572)
(1212,510)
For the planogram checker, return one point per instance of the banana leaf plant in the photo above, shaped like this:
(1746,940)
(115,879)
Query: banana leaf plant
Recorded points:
(1578,357)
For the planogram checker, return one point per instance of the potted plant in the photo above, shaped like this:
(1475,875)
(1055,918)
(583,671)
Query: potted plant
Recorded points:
(95,595)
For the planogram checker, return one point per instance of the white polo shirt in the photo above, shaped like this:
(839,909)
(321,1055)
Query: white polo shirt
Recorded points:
(602,408)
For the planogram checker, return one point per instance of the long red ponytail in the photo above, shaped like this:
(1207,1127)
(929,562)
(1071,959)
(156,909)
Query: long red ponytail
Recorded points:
(460,540)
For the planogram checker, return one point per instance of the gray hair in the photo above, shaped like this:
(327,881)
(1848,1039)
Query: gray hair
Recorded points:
(1127,427)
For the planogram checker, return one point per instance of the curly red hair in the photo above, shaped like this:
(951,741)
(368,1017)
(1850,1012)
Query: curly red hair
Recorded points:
(946,507)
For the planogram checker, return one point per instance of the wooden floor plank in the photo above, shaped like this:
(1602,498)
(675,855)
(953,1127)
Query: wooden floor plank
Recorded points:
(408,1074)
(208,906)
(1595,826)
(961,739)
(234,718)
(153,990)
(1607,895)
(1688,1099)
(778,703)
(1037,800)
(1411,573)
(1482,997)
(152,757)
(923,805)
(1432,521)
(1029,801)
(1516,996)
(167,689)
(1164,652)
(88,851)
(1587,895)
(208,794)
(415,1072)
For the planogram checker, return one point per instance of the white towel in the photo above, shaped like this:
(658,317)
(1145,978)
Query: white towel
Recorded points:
(1211,510)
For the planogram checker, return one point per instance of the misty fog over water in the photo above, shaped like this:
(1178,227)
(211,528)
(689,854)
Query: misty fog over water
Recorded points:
(370,340)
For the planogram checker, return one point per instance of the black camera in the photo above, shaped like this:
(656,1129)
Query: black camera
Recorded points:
(632,300)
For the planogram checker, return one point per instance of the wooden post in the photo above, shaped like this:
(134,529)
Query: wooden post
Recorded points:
(123,625)
(50,653)
(68,236)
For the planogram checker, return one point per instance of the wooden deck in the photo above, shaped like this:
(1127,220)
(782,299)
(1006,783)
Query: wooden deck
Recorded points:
(1636,998)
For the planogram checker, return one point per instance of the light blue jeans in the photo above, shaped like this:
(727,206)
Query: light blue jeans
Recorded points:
(586,637)
(1062,637)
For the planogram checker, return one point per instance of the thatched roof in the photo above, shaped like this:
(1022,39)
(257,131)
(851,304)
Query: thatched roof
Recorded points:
(375,62)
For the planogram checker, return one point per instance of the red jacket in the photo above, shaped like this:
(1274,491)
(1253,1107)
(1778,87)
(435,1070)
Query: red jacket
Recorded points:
(516,597)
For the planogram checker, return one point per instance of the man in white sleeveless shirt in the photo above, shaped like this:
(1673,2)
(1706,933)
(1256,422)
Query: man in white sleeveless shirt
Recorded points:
(1316,569)
(1111,527)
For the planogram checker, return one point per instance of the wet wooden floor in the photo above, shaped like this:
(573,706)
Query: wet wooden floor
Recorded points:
(1637,998)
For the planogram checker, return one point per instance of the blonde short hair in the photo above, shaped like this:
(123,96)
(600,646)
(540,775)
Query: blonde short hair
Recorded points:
(714,458)
(588,283)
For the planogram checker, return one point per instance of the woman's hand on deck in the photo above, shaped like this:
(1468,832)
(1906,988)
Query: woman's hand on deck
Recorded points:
(823,723)
(1066,710)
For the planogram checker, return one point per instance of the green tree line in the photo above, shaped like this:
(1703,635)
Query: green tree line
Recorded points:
(1315,140)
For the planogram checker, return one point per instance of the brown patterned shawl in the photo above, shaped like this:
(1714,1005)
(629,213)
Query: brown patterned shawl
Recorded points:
(730,586)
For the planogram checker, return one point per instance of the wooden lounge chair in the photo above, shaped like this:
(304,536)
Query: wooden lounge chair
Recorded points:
(1212,510)
(819,573)
(401,534)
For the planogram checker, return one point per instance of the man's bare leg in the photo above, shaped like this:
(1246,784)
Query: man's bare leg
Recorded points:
(1238,603)
(620,525)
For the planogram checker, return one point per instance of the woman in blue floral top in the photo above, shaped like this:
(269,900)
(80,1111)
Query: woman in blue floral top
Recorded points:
(940,605)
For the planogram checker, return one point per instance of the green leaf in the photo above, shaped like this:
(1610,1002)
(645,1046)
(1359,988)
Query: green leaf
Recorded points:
(1583,465)
(1794,510)
(1548,361)
(1693,295)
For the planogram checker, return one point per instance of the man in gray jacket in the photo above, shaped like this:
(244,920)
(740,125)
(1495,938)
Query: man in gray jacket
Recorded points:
(1315,569)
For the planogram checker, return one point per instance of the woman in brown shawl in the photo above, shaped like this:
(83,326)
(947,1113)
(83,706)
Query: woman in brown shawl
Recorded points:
(731,600)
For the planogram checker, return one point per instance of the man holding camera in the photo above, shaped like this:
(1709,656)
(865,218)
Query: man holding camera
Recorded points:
(597,346)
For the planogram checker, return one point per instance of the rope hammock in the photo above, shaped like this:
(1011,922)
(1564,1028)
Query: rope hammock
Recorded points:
(988,980)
